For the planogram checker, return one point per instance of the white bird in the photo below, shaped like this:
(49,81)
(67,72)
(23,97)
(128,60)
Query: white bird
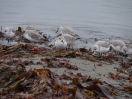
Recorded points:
(101,47)
(34,36)
(66,30)
(9,33)
(60,43)
(129,50)
(69,38)
(118,45)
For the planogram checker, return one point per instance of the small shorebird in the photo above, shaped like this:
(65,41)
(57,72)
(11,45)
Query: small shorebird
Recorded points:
(69,38)
(60,43)
(66,30)
(101,47)
(9,33)
(34,36)
(118,45)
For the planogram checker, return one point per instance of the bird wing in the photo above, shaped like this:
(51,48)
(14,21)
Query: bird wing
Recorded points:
(103,44)
(68,37)
(34,34)
(118,43)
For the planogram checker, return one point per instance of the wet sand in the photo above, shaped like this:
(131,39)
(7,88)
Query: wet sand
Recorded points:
(89,68)
(86,67)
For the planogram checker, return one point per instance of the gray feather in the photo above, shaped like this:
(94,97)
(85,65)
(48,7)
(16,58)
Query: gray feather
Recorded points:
(35,35)
(102,43)
(118,43)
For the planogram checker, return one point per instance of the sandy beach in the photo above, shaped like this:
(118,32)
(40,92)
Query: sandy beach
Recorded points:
(67,63)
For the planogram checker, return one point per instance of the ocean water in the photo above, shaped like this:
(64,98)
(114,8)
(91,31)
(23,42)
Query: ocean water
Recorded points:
(90,19)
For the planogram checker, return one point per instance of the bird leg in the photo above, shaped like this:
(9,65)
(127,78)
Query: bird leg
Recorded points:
(68,46)
(100,55)
(8,41)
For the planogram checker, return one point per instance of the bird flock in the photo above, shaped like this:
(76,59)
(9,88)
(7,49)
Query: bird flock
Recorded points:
(66,37)
(118,45)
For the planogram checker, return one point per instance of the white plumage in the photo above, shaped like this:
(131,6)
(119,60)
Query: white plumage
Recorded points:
(69,38)
(101,47)
(33,36)
(60,43)
(118,45)
(8,33)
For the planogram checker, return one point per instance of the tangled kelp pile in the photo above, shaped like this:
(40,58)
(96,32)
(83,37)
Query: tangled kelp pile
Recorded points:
(16,82)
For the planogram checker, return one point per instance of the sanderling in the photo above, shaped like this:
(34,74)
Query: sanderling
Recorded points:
(101,47)
(60,43)
(34,36)
(129,51)
(9,33)
(69,38)
(118,45)
(66,30)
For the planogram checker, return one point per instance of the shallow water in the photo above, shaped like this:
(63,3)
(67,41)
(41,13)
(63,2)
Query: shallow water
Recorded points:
(100,19)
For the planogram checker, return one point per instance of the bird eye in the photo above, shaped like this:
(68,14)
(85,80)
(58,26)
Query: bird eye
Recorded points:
(62,41)
(5,30)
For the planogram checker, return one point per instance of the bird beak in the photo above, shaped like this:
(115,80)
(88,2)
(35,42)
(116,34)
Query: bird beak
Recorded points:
(1,31)
(110,48)
(57,30)
(78,38)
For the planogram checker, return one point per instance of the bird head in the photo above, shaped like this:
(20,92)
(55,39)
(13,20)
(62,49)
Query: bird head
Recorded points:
(95,48)
(5,30)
